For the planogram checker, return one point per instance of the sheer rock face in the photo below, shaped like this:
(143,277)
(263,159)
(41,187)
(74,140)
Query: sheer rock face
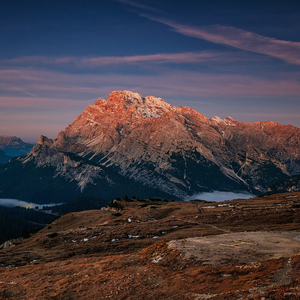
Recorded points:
(175,150)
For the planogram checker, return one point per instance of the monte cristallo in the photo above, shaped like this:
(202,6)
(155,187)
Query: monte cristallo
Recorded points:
(143,146)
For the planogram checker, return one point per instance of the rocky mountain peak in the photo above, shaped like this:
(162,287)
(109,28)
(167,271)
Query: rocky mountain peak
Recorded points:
(11,141)
(149,106)
(14,146)
(43,140)
(227,121)
(176,151)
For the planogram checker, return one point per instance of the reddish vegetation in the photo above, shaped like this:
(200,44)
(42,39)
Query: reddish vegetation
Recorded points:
(115,254)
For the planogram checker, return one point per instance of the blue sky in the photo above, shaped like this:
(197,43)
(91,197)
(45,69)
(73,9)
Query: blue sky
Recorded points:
(224,58)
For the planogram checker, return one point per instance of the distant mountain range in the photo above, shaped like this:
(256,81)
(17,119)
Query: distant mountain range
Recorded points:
(142,146)
(13,146)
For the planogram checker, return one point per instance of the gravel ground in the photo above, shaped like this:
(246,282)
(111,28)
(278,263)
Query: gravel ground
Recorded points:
(239,248)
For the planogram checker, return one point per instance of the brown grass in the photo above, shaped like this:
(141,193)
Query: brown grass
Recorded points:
(144,267)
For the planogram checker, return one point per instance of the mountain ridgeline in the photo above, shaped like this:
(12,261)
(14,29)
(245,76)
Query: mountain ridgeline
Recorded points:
(142,146)
(13,146)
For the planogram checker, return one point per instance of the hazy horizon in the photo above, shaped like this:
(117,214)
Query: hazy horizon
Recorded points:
(14,202)
(219,196)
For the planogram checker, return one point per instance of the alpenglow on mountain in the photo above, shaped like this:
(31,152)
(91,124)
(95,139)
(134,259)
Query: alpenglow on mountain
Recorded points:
(142,146)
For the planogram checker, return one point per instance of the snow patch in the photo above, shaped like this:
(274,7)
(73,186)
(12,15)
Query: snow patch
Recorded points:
(33,261)
(157,260)
(148,107)
(227,121)
(133,236)
(221,205)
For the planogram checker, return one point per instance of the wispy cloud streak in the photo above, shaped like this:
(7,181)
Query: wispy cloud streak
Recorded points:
(288,51)
(160,58)
(38,103)
(186,83)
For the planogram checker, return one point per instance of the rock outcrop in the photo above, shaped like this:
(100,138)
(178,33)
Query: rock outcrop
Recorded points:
(291,184)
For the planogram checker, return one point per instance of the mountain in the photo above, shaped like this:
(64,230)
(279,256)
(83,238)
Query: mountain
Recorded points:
(137,145)
(14,146)
(47,175)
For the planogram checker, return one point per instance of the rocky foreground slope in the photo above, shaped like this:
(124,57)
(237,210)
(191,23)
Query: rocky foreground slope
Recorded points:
(129,143)
(150,249)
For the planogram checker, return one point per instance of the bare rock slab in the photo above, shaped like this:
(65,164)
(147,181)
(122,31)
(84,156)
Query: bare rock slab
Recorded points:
(239,248)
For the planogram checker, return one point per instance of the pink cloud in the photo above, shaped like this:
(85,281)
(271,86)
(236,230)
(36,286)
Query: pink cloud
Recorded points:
(159,58)
(281,118)
(38,102)
(185,83)
(67,95)
(286,50)
(29,125)
(187,57)
(40,60)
